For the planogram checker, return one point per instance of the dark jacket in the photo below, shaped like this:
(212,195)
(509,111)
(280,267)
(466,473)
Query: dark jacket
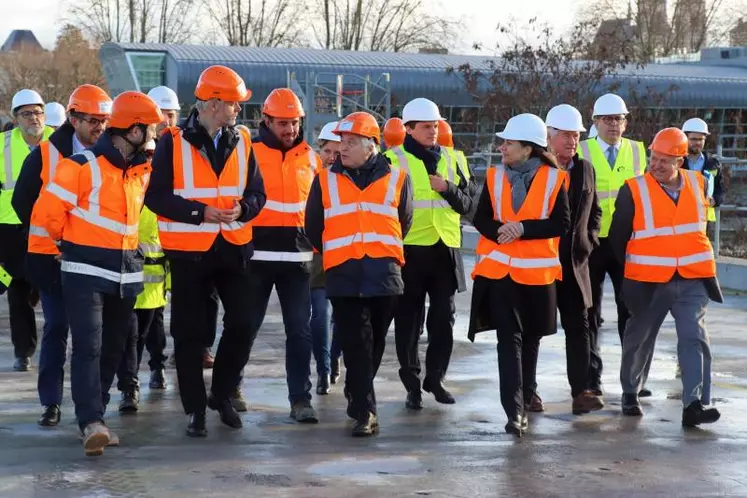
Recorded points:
(366,277)
(161,199)
(460,198)
(586,217)
(556,225)
(42,270)
(621,231)
(712,162)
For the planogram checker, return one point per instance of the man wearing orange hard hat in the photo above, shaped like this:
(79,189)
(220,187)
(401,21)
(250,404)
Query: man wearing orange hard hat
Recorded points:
(206,189)
(394,132)
(88,113)
(92,209)
(358,214)
(658,232)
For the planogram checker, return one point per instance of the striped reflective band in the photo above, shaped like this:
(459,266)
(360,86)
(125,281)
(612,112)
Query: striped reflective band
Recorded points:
(671,262)
(150,248)
(500,171)
(431,204)
(102,222)
(385,208)
(95,271)
(637,170)
(552,179)
(53,158)
(399,151)
(38,231)
(176,227)
(360,206)
(285,207)
(648,212)
(287,257)
(63,194)
(521,262)
(585,152)
(191,192)
(365,238)
(312,159)
(9,182)
(154,279)
(610,194)
(451,162)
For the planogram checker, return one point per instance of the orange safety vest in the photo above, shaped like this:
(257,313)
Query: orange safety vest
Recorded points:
(360,223)
(100,210)
(39,240)
(528,262)
(195,179)
(669,237)
(287,178)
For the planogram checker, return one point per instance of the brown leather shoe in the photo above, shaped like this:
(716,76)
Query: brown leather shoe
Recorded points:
(207,359)
(534,404)
(586,402)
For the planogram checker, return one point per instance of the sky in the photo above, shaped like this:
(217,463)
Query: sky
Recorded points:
(479,18)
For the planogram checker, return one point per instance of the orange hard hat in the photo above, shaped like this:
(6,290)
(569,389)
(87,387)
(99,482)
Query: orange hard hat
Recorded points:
(89,99)
(223,83)
(282,103)
(133,108)
(445,138)
(394,132)
(670,141)
(359,123)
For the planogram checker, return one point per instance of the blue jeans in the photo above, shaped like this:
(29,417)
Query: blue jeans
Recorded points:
(53,348)
(321,314)
(292,285)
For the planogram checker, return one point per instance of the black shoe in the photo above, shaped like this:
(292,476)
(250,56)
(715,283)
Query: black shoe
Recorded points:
(631,406)
(130,401)
(157,379)
(695,415)
(438,391)
(645,393)
(334,375)
(196,426)
(515,427)
(51,416)
(228,415)
(303,412)
(22,364)
(322,384)
(597,392)
(414,400)
(350,411)
(367,425)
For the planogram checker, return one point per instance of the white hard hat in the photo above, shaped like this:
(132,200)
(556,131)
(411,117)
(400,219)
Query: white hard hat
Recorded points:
(326,133)
(609,104)
(150,145)
(420,109)
(527,128)
(565,117)
(165,97)
(593,132)
(55,114)
(695,125)
(26,97)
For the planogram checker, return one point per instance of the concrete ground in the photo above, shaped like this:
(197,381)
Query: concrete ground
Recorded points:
(443,451)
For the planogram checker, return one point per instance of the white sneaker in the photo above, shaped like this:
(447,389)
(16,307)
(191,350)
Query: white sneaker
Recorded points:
(96,437)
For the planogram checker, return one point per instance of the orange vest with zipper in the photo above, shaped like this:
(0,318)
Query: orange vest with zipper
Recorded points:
(360,223)
(195,179)
(528,262)
(39,240)
(669,237)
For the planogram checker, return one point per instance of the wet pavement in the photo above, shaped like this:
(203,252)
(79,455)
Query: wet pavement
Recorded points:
(443,451)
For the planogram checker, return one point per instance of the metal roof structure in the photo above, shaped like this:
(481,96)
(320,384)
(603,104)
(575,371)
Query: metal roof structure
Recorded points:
(412,74)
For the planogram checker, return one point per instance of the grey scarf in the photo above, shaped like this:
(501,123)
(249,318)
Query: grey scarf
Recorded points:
(520,177)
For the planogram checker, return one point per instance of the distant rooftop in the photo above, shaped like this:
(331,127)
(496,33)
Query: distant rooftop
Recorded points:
(21,39)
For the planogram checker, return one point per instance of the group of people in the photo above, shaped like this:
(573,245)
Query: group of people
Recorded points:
(120,205)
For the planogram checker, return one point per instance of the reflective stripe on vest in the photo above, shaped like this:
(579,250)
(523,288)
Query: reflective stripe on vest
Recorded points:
(365,237)
(672,262)
(9,182)
(149,249)
(189,190)
(95,271)
(38,231)
(386,209)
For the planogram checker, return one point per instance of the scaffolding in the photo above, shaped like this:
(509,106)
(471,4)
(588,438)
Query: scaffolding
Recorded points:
(330,96)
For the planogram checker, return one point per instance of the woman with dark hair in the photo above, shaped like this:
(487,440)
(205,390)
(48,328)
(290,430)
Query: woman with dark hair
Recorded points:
(520,216)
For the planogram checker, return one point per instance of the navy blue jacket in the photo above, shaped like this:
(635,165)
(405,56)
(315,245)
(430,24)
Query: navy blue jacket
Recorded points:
(366,277)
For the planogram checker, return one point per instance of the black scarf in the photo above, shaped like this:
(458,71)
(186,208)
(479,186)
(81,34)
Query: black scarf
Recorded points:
(429,155)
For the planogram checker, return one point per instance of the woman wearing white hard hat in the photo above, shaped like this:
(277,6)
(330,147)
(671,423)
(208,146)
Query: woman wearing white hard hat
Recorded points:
(520,216)
(326,349)
(55,114)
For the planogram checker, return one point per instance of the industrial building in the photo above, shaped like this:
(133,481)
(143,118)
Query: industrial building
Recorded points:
(712,87)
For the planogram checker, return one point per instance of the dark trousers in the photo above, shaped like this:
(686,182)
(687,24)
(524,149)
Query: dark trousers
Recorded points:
(213,303)
(191,283)
(146,331)
(362,324)
(434,276)
(53,350)
(603,262)
(99,328)
(292,285)
(321,315)
(574,318)
(520,313)
(21,301)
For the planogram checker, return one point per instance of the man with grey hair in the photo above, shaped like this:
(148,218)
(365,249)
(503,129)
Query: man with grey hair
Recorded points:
(28,113)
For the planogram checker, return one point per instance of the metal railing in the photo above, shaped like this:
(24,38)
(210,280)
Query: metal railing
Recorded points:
(728,208)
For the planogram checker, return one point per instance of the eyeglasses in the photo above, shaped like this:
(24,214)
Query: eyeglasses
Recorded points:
(30,114)
(94,122)
(608,120)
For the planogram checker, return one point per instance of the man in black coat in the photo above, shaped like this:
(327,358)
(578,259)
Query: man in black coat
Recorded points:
(574,291)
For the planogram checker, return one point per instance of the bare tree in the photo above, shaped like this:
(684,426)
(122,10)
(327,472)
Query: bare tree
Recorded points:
(258,23)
